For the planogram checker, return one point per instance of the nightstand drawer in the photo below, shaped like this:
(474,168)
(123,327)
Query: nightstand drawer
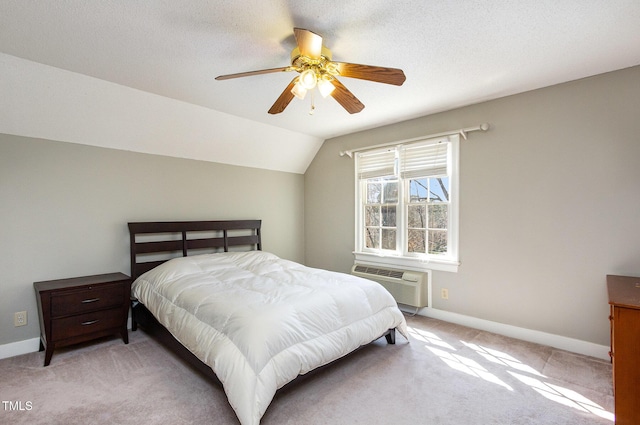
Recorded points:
(85,323)
(105,296)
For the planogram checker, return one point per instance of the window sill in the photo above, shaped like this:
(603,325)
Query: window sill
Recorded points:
(405,263)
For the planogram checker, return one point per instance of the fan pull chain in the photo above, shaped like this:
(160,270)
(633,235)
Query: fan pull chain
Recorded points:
(313,106)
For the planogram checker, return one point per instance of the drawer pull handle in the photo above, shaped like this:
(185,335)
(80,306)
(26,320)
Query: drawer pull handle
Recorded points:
(90,300)
(90,322)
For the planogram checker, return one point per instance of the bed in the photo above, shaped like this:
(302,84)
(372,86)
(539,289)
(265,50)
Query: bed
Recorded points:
(246,317)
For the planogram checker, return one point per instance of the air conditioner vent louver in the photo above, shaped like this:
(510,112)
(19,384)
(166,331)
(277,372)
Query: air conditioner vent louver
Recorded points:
(410,288)
(396,274)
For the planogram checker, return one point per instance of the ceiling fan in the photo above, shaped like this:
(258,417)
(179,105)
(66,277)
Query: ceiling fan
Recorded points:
(312,61)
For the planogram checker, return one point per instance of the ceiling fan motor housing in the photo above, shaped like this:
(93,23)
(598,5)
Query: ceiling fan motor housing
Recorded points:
(322,67)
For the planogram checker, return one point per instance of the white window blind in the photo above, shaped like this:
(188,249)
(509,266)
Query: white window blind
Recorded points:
(424,159)
(376,164)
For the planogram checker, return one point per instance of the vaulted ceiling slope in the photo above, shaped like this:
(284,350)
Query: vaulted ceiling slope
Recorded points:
(139,75)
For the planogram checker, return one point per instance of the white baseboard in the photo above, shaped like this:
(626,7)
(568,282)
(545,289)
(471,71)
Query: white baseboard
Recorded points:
(556,341)
(20,347)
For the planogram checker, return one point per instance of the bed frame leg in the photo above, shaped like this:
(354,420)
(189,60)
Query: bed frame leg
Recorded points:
(134,322)
(391,336)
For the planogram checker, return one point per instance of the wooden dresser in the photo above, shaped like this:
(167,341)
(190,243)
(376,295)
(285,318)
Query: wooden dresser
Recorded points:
(624,301)
(81,309)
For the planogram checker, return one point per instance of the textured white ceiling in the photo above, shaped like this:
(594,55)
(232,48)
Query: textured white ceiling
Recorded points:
(453,53)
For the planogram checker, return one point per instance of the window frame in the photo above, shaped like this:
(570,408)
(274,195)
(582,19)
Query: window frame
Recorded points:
(401,258)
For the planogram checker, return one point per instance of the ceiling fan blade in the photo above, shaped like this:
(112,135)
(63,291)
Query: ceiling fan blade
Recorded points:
(285,98)
(378,74)
(345,98)
(309,43)
(250,73)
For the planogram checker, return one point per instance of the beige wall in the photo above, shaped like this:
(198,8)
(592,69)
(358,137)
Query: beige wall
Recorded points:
(549,204)
(64,210)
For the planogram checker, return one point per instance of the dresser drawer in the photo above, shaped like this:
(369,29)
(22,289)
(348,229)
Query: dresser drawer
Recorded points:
(87,323)
(73,302)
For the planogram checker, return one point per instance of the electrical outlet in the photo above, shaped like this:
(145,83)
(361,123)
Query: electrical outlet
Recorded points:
(20,318)
(444,293)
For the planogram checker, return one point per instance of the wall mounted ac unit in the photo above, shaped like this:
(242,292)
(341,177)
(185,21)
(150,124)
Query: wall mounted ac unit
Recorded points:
(407,287)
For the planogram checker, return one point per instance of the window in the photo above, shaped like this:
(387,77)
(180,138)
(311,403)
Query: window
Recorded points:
(407,205)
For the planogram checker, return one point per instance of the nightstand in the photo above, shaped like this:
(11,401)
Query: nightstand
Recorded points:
(81,309)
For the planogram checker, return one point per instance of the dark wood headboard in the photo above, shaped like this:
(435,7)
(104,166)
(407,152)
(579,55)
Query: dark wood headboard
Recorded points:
(170,238)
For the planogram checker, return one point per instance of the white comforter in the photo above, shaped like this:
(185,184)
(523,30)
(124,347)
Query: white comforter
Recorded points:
(260,321)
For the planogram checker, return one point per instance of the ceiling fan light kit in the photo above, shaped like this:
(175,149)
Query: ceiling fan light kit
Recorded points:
(313,62)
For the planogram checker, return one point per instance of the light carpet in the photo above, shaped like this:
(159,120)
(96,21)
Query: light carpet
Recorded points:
(447,374)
